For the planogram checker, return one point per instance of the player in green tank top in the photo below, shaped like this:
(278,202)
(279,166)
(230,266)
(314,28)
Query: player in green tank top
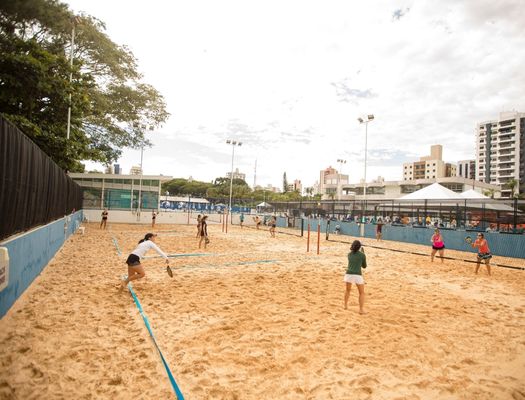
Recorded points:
(356,261)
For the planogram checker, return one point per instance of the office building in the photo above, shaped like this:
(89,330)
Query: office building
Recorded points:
(120,192)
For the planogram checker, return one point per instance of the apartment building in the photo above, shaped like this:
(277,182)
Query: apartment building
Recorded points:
(330,183)
(429,167)
(500,152)
(466,169)
(236,175)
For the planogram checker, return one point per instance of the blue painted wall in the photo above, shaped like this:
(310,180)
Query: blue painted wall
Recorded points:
(29,254)
(500,244)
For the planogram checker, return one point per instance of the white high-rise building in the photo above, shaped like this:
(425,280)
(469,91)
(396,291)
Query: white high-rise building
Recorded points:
(500,152)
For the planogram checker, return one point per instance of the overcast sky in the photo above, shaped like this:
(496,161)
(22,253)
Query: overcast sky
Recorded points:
(290,78)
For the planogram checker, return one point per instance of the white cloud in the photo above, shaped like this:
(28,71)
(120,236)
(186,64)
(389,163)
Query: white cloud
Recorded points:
(289,79)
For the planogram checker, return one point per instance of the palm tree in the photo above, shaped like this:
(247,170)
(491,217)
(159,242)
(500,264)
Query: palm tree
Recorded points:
(511,184)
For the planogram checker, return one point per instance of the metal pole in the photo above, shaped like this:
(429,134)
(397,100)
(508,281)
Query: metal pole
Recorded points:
(231,189)
(70,80)
(364,183)
(140,182)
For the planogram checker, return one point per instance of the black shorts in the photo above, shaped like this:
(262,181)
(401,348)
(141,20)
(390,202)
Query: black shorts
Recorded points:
(438,248)
(133,260)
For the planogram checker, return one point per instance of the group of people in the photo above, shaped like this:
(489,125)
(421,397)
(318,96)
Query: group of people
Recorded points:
(105,214)
(484,254)
(357,262)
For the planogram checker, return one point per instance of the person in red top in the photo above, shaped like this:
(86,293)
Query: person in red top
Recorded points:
(483,252)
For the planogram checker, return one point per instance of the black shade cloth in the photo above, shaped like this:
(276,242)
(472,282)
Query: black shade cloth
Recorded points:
(33,189)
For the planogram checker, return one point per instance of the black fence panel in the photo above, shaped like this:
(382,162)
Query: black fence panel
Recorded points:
(33,189)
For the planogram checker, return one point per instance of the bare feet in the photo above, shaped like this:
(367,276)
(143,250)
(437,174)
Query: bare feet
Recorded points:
(362,312)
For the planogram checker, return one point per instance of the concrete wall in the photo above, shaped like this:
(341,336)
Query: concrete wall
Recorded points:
(169,217)
(30,252)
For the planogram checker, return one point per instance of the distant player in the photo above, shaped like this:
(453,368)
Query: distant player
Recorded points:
(199,219)
(483,252)
(437,245)
(379,229)
(203,232)
(273,224)
(104,220)
(241,219)
(153,218)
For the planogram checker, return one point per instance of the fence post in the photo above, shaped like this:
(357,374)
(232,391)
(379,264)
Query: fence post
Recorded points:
(515,213)
(308,238)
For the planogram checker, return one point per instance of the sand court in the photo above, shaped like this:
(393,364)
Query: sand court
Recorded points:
(254,317)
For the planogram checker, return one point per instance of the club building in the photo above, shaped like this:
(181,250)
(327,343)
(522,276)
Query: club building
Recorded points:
(120,192)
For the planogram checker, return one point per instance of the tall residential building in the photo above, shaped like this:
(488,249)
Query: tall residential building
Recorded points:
(429,167)
(466,169)
(500,152)
(236,175)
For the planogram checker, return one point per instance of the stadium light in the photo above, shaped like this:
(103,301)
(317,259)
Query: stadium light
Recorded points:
(233,143)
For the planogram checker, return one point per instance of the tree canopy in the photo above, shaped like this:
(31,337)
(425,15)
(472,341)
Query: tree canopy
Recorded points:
(220,188)
(111,108)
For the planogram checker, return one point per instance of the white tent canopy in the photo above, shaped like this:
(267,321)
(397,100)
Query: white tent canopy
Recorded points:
(264,205)
(433,192)
(472,194)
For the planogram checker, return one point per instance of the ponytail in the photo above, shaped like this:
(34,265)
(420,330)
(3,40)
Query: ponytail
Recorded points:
(356,245)
(148,236)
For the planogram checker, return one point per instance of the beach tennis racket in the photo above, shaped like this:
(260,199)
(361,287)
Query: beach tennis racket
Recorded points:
(169,271)
(468,239)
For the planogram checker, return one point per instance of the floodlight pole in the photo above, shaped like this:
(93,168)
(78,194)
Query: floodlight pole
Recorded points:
(341,162)
(233,144)
(370,118)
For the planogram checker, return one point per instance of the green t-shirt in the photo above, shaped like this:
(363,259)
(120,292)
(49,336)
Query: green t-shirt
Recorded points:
(356,261)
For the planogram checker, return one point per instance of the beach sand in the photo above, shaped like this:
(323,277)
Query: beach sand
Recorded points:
(259,318)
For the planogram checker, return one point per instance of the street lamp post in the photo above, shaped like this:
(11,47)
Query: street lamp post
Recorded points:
(233,144)
(370,118)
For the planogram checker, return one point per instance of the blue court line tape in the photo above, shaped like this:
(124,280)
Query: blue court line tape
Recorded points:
(184,255)
(146,322)
(253,262)
(183,267)
(116,245)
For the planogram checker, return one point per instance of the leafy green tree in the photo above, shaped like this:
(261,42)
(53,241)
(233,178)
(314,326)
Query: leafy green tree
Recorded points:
(111,108)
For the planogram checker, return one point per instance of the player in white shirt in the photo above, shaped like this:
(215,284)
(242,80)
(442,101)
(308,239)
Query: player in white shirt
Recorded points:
(135,269)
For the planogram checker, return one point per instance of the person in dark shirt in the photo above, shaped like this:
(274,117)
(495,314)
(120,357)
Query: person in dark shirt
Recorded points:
(356,261)
(204,232)
(379,229)
(104,220)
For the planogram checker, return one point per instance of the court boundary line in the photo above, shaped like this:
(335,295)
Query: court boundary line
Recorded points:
(174,385)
